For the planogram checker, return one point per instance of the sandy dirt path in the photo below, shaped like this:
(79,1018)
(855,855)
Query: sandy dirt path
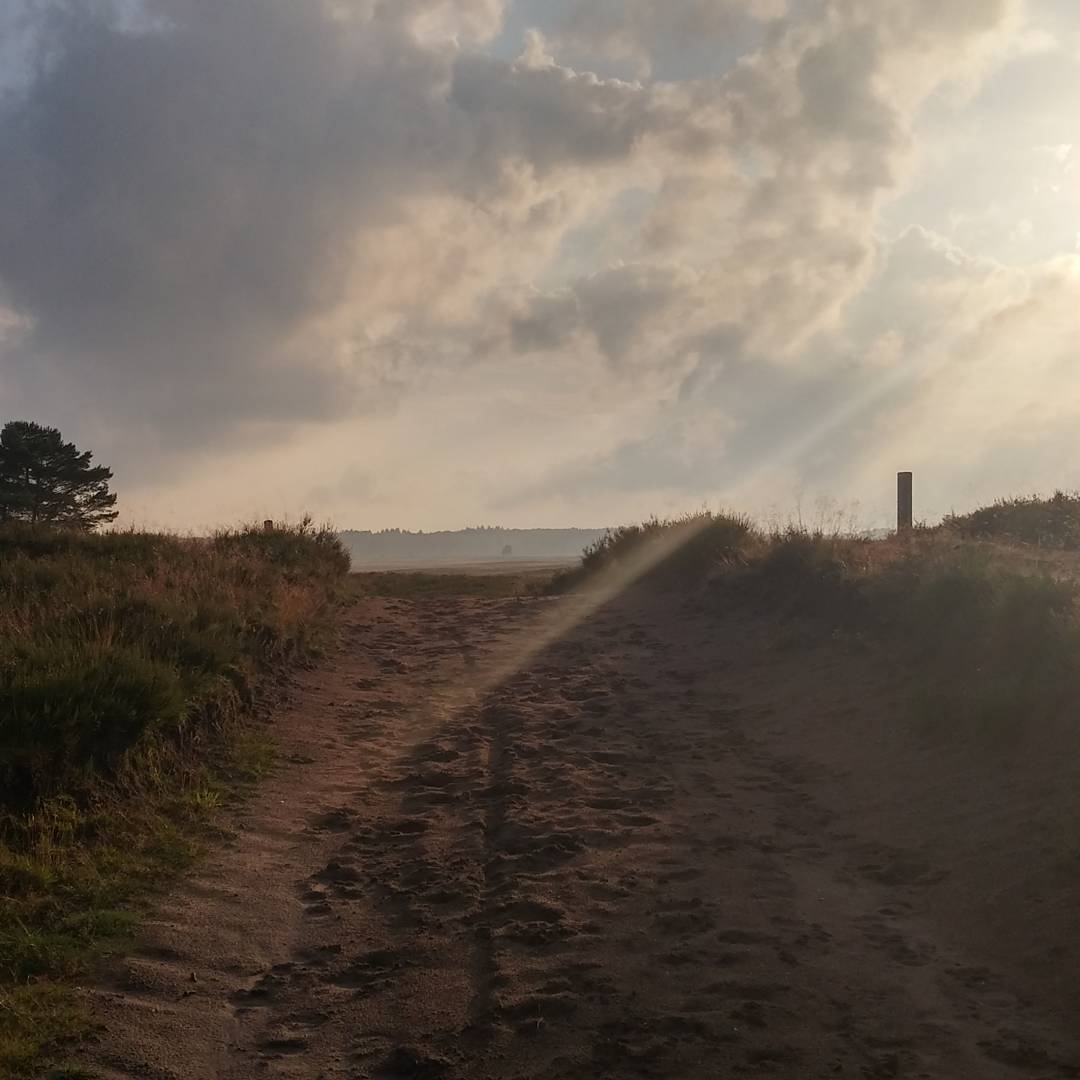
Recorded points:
(665,845)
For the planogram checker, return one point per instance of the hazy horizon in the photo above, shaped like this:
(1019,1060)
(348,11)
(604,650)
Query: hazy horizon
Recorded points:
(543,262)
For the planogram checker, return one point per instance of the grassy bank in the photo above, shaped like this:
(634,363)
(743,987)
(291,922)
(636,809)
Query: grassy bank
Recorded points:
(131,667)
(1052,523)
(993,637)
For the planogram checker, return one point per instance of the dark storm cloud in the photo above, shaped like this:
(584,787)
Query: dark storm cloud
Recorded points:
(189,186)
(179,195)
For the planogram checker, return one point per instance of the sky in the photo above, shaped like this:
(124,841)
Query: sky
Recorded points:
(436,263)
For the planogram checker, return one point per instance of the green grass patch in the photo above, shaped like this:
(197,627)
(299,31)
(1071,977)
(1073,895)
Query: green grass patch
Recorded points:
(419,585)
(38,1022)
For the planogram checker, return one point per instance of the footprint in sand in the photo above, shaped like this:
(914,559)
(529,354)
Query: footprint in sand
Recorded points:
(338,873)
(339,819)
(405,1063)
(373,971)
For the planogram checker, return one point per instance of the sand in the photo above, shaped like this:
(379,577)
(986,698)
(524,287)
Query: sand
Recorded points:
(671,843)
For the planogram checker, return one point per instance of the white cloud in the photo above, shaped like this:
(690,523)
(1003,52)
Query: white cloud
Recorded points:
(355,232)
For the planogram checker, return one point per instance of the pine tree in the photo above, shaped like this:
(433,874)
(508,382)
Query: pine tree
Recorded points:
(44,479)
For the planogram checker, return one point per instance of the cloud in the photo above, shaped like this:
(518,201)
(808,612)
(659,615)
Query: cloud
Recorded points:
(226,227)
(942,365)
(206,207)
(954,365)
(182,201)
(635,30)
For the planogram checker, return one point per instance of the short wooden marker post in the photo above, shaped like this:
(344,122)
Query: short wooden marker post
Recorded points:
(268,525)
(905,521)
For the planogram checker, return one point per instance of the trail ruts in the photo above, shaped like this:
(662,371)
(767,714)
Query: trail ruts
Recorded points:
(629,858)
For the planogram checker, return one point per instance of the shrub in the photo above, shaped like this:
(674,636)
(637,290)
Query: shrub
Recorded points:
(68,714)
(1052,522)
(673,548)
(802,572)
(108,642)
(993,645)
(306,549)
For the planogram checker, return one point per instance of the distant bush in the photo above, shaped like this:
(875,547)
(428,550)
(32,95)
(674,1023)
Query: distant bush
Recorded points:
(308,550)
(666,550)
(798,571)
(1052,522)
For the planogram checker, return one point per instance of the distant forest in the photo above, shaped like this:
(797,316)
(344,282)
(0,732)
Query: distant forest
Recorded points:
(395,545)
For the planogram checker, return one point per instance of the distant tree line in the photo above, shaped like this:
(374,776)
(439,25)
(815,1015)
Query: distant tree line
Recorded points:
(481,542)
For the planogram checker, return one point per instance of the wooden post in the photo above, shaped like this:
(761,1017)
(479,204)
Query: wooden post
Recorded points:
(905,521)
(268,525)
